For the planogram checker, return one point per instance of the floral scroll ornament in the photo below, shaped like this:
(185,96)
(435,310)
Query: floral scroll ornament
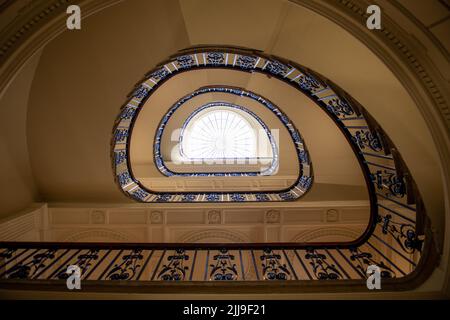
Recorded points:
(126,270)
(175,270)
(273,268)
(323,270)
(224,267)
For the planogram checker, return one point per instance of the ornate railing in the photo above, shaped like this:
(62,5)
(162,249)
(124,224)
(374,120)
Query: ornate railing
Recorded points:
(404,258)
(199,264)
(46,264)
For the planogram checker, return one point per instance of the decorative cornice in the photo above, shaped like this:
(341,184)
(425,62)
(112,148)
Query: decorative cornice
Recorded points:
(351,15)
(31,17)
(35,25)
(4,4)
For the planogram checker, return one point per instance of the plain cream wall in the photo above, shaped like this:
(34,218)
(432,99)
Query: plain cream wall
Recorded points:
(18,189)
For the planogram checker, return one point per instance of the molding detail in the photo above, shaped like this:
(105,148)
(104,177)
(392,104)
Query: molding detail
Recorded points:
(332,215)
(312,235)
(32,15)
(156,217)
(273,216)
(28,225)
(15,229)
(110,235)
(217,234)
(35,24)
(214,217)
(98,217)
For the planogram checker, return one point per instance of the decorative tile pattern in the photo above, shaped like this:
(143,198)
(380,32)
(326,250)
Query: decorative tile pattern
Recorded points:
(286,196)
(185,62)
(215,58)
(140,194)
(160,74)
(164,197)
(141,92)
(246,62)
(121,135)
(261,197)
(124,178)
(128,113)
(212,197)
(236,197)
(277,68)
(120,156)
(188,198)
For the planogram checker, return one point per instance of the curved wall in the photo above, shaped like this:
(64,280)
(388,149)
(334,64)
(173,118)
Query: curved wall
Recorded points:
(18,188)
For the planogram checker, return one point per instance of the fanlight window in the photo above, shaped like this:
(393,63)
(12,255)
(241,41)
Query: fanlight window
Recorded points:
(219,134)
(222,133)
